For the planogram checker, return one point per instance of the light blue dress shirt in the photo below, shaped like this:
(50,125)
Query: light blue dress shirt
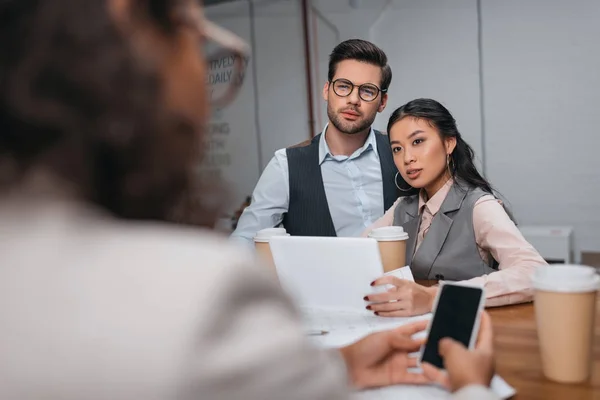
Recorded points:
(353,187)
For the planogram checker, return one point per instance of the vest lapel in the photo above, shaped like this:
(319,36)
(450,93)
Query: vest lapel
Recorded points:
(308,211)
(313,168)
(438,231)
(412,228)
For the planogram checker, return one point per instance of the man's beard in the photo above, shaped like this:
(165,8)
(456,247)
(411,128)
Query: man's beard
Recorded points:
(348,127)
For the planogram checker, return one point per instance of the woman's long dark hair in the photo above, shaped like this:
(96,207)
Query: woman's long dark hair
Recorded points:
(438,116)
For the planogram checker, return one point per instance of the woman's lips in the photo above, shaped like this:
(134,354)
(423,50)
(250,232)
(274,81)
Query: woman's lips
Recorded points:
(413,173)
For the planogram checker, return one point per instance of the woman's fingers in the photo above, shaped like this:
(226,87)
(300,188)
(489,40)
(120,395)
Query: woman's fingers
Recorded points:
(399,313)
(389,306)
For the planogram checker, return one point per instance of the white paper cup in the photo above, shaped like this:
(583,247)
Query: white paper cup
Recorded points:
(264,235)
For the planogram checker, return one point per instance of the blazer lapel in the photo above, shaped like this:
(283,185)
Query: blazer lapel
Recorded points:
(438,231)
(410,227)
(410,222)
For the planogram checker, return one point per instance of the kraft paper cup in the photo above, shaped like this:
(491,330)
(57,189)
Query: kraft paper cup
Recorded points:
(392,246)
(565,311)
(261,243)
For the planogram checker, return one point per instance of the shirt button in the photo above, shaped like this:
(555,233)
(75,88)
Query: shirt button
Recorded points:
(439,277)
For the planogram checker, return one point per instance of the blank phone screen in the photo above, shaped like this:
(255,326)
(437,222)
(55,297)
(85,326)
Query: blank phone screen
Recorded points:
(454,317)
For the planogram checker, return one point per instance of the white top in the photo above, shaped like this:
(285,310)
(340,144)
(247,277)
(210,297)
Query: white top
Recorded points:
(94,308)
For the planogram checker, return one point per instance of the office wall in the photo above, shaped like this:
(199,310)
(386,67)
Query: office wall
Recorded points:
(270,111)
(424,64)
(541,63)
(432,47)
(520,77)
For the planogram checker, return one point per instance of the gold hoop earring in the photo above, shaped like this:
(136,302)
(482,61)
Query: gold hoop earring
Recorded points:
(398,186)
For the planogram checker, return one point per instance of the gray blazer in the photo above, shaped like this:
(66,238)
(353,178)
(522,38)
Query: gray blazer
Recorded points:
(97,309)
(449,250)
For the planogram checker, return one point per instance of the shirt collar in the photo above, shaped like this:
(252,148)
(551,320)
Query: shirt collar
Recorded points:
(370,144)
(433,204)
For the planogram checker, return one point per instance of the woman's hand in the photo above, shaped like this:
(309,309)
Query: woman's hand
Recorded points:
(405,299)
(464,367)
(382,358)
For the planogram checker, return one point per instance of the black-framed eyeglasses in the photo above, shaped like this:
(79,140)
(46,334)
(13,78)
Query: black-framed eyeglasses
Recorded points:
(226,54)
(367,91)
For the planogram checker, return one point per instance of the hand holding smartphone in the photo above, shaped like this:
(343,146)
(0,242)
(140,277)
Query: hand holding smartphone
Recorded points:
(456,314)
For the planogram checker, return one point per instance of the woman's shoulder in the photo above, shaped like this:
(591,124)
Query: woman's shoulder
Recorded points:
(184,244)
(139,254)
(407,200)
(403,205)
(472,192)
(192,259)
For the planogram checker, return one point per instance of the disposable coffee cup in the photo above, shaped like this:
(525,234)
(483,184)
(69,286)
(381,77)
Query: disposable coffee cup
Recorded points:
(392,246)
(263,249)
(565,311)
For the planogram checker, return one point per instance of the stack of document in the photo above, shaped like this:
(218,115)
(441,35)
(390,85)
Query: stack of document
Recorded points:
(327,278)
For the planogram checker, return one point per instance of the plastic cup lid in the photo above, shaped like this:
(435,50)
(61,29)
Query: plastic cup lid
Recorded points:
(566,278)
(389,233)
(264,234)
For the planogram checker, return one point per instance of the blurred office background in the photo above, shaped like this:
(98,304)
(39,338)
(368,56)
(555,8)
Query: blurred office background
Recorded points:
(522,78)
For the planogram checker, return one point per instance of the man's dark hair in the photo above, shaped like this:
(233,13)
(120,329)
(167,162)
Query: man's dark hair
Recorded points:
(360,50)
(76,101)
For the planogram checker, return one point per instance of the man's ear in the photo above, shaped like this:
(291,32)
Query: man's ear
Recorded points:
(326,91)
(384,99)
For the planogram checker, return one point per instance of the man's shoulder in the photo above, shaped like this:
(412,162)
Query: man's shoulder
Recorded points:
(301,144)
(307,148)
(382,140)
(305,143)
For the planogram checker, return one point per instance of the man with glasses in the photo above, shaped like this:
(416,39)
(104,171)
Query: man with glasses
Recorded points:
(341,181)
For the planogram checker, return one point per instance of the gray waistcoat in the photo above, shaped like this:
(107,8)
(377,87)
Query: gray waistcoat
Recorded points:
(449,250)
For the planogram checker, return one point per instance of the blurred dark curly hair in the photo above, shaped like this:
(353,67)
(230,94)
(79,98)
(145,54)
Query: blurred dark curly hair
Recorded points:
(75,100)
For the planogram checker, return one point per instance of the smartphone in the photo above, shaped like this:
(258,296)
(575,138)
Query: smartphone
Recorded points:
(456,314)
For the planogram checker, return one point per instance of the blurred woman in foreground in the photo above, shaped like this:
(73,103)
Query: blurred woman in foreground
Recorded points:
(102,109)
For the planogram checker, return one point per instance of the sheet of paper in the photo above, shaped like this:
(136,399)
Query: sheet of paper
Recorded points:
(327,272)
(412,392)
(344,327)
(404,392)
(402,273)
